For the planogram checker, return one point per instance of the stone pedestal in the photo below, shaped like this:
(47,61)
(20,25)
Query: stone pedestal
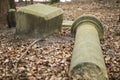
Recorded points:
(38,21)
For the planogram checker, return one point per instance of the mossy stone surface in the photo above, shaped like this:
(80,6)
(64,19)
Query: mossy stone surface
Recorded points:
(38,21)
(40,10)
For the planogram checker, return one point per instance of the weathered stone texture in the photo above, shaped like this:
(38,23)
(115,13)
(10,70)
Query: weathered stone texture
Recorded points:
(38,21)
(87,59)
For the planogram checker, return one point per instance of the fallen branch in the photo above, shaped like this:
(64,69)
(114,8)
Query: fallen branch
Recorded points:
(23,55)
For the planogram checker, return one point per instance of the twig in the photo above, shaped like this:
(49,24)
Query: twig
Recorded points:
(23,55)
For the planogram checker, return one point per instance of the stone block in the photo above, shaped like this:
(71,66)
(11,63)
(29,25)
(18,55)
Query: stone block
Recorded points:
(38,21)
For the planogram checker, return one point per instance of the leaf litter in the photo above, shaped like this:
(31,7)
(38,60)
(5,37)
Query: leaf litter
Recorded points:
(50,58)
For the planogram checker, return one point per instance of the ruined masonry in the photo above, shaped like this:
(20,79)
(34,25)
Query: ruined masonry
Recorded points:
(87,59)
(38,21)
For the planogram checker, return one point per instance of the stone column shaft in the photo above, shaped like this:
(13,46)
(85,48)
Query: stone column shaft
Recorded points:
(87,59)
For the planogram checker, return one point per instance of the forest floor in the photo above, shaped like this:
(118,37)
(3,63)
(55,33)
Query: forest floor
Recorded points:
(49,59)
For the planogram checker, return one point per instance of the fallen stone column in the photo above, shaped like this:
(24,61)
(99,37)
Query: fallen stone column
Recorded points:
(87,58)
(38,21)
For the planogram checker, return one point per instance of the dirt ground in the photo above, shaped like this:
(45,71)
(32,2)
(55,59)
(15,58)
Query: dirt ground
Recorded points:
(49,59)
